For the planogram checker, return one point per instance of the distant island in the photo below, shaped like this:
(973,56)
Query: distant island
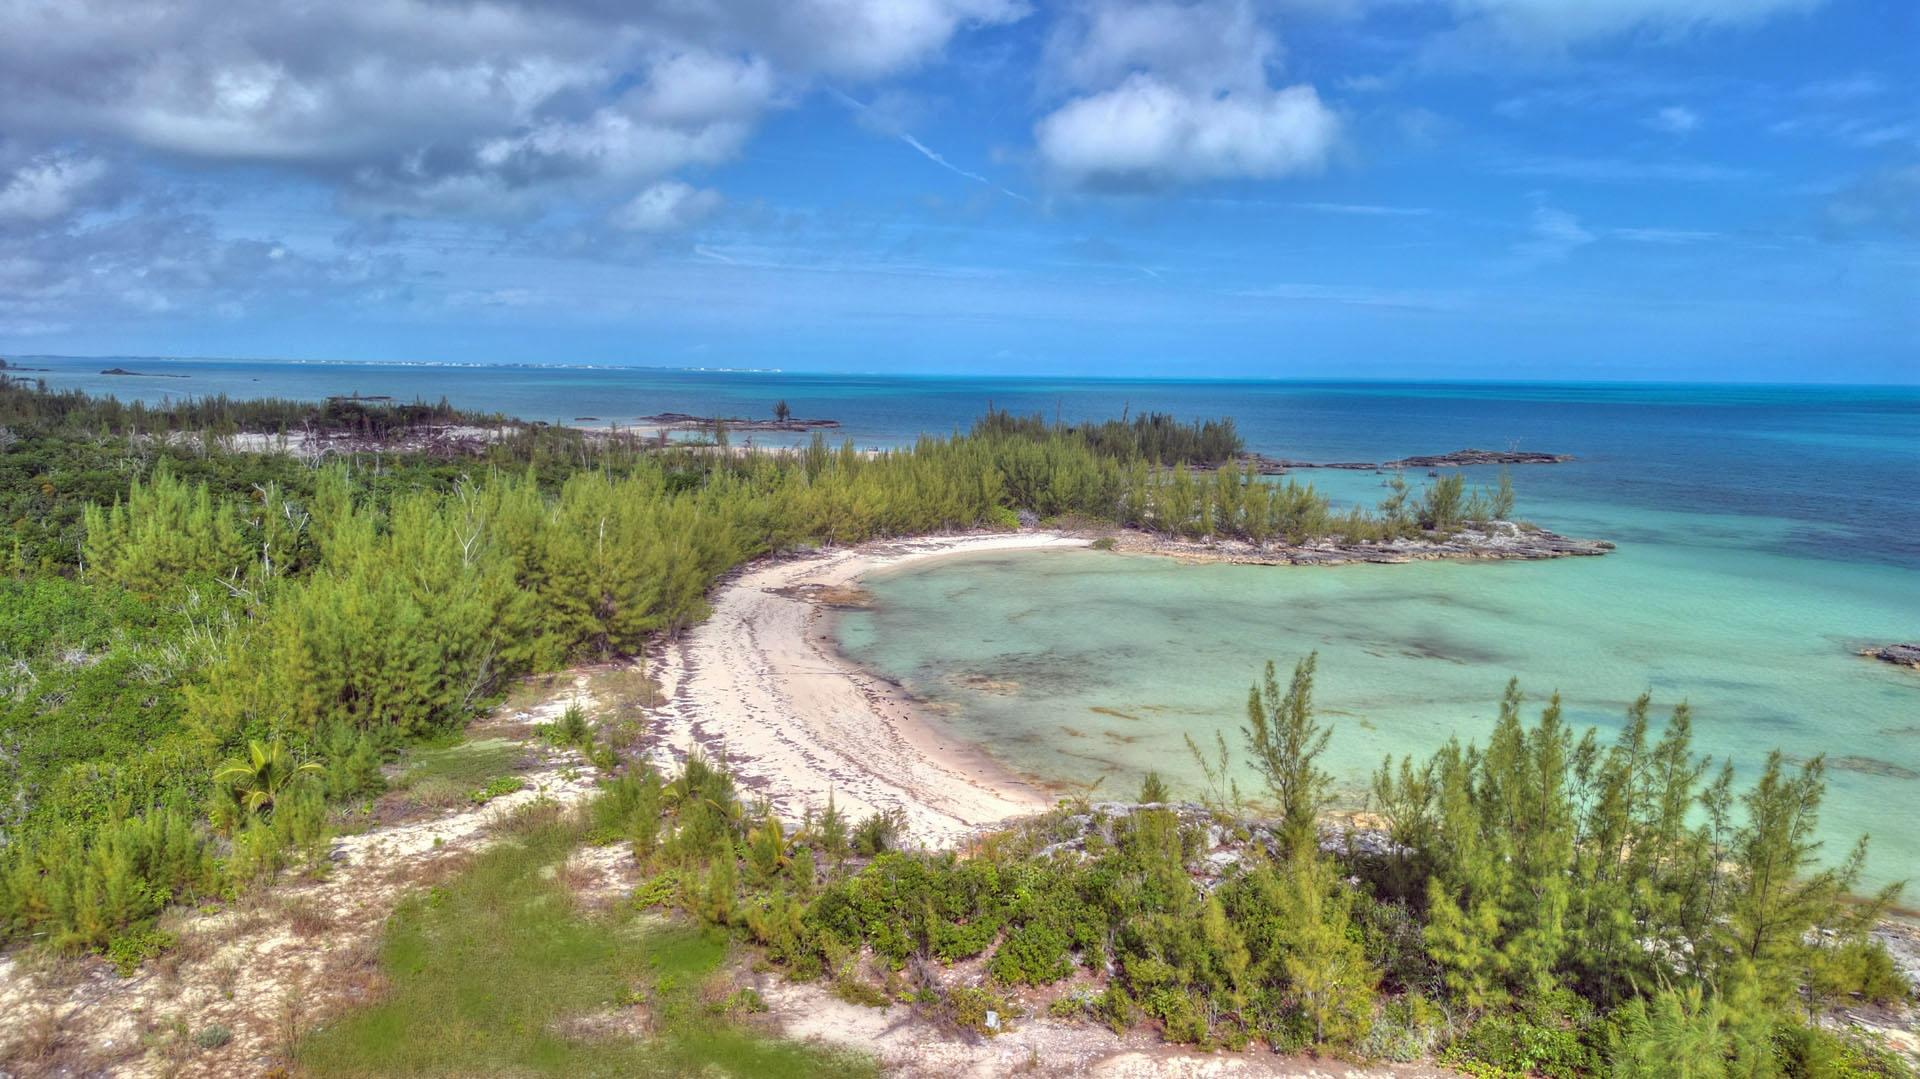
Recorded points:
(139,374)
(681,421)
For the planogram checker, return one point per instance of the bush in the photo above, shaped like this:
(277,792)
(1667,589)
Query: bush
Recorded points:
(572,729)
(978,1010)
(1501,1044)
(352,763)
(1034,954)
(1406,1029)
(496,787)
(1816,1053)
(135,946)
(879,832)
(83,886)
(1153,789)
(212,1037)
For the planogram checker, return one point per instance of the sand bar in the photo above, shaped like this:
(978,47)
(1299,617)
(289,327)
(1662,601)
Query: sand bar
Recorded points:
(762,682)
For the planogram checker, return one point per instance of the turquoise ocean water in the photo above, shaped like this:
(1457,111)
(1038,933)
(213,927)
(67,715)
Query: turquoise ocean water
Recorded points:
(1766,532)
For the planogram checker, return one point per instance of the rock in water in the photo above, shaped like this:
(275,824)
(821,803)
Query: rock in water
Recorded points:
(1905,655)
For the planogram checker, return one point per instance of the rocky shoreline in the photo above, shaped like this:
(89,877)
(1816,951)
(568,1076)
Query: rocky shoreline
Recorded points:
(1263,465)
(1900,655)
(681,421)
(1497,540)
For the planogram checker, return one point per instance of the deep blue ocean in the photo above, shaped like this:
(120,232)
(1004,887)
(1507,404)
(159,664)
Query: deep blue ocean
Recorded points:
(1766,533)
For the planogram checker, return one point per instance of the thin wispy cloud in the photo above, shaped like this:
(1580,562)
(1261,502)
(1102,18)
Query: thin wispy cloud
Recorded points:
(1362,209)
(939,159)
(1617,170)
(887,126)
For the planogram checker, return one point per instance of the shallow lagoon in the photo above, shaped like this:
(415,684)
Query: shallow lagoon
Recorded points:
(1080,666)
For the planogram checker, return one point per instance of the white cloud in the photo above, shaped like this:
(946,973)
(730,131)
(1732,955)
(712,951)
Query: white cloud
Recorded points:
(418,106)
(1211,45)
(1363,209)
(1669,237)
(666,207)
(1169,93)
(48,187)
(1145,133)
(1553,235)
(1674,120)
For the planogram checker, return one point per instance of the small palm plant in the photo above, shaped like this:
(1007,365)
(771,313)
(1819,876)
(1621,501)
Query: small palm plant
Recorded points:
(259,776)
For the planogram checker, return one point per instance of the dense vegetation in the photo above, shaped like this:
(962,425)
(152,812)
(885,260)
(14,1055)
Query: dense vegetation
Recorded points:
(1151,436)
(31,404)
(1547,905)
(171,604)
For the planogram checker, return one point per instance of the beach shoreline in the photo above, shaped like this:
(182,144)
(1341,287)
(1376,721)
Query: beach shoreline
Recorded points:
(762,683)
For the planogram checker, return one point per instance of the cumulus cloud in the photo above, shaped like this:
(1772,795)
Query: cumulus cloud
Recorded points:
(1166,93)
(667,206)
(416,106)
(1147,133)
(48,187)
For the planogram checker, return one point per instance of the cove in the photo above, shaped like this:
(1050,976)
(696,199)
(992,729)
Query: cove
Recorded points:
(1083,667)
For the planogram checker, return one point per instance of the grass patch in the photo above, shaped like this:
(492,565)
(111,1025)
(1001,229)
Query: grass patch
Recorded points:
(466,765)
(484,971)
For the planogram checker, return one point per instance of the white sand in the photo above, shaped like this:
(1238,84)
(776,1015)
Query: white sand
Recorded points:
(762,682)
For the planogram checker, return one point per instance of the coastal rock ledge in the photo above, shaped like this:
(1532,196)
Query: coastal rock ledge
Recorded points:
(1904,655)
(1495,540)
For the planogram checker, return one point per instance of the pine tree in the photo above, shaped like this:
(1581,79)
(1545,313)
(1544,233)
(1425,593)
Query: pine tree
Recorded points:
(1286,742)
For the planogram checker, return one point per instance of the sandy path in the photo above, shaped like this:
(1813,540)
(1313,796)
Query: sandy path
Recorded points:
(762,682)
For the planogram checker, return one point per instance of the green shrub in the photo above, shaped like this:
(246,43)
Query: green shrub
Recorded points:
(126,951)
(496,787)
(1104,543)
(879,832)
(1406,1029)
(1815,1053)
(1153,789)
(1506,1044)
(1182,1019)
(657,890)
(351,760)
(979,1010)
(82,886)
(572,729)
(1033,954)
(212,1036)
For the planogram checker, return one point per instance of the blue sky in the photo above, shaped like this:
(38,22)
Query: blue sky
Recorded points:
(1693,189)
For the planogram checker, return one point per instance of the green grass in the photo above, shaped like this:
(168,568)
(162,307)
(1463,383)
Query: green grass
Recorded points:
(482,971)
(463,764)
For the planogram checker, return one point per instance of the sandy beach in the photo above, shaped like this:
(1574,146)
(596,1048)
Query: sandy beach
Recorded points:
(762,683)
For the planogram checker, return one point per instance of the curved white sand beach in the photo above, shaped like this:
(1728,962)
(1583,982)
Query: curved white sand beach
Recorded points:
(762,682)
